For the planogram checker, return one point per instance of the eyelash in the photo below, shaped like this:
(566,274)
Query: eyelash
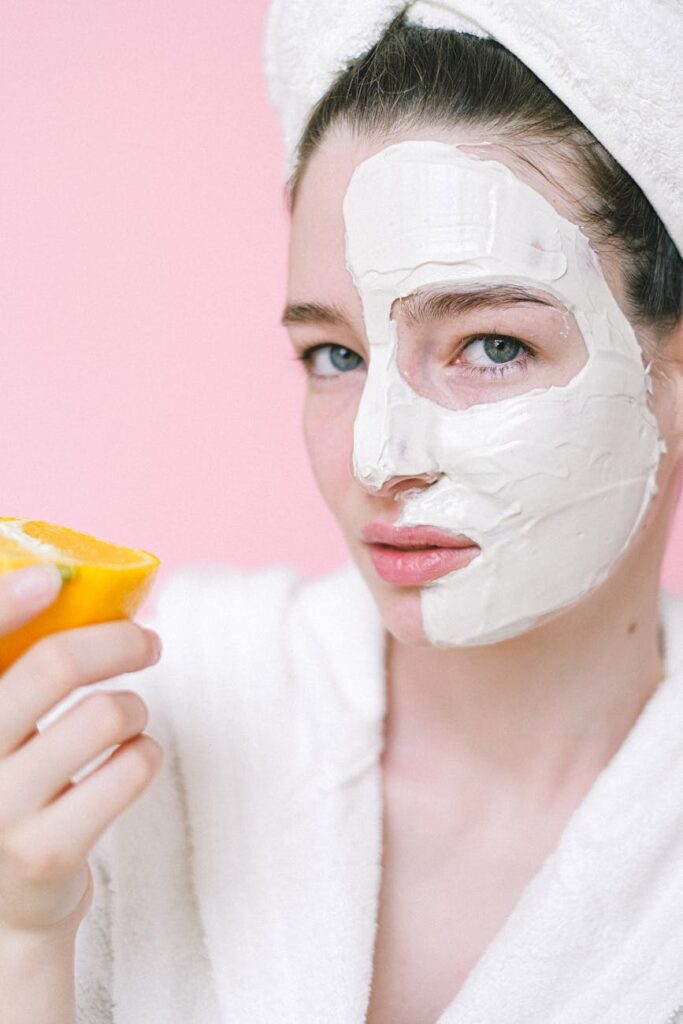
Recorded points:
(306,357)
(499,370)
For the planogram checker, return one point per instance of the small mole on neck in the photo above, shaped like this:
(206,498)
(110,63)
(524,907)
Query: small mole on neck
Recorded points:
(632,628)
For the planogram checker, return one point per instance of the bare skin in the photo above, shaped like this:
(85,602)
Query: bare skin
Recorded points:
(48,824)
(462,840)
(488,750)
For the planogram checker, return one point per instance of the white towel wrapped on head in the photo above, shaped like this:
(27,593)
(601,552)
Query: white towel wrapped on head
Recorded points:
(617,66)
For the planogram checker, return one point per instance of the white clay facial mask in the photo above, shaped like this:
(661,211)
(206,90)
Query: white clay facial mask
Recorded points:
(551,483)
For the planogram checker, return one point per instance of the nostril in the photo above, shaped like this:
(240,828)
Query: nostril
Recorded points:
(403,488)
(371,480)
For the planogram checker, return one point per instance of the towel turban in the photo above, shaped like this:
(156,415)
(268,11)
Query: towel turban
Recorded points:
(617,64)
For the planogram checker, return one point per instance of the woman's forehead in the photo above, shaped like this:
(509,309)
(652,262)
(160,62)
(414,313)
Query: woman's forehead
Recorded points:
(425,207)
(329,170)
(318,242)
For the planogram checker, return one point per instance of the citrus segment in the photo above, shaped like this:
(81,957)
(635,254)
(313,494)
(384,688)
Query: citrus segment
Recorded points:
(101,581)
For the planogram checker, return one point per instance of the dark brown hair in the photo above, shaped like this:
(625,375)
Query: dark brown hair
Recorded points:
(415,76)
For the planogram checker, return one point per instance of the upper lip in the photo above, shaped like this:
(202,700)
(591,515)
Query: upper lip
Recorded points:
(411,537)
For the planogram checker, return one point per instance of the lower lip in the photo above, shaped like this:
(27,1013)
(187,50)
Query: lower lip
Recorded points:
(410,568)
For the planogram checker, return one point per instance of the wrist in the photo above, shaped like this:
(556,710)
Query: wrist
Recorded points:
(60,932)
(37,976)
(23,945)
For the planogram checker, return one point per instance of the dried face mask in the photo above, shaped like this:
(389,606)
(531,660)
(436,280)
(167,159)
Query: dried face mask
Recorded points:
(551,484)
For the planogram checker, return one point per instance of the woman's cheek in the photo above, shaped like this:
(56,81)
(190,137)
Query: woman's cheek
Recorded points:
(329,413)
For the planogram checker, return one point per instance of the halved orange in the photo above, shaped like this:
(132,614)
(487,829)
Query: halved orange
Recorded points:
(101,580)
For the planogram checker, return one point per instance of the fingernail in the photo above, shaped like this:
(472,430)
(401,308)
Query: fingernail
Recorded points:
(36,583)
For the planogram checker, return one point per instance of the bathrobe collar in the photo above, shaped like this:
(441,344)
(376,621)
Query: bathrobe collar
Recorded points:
(287,862)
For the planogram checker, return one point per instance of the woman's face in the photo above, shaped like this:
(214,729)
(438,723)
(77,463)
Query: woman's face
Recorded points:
(474,390)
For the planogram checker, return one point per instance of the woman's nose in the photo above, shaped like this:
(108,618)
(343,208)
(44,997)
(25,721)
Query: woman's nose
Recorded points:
(394,434)
(398,487)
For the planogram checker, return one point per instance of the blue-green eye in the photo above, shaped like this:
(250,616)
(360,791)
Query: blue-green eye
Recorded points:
(497,348)
(330,360)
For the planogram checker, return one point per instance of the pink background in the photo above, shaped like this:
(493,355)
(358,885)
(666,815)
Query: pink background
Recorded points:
(150,396)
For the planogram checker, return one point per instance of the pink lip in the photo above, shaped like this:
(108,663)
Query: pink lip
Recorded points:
(396,560)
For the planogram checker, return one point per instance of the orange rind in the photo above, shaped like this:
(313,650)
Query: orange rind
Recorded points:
(101,581)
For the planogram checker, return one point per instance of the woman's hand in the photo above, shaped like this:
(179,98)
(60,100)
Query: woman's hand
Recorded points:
(48,825)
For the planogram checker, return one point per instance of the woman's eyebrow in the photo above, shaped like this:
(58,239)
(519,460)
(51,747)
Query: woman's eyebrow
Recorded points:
(314,313)
(426,304)
(430,304)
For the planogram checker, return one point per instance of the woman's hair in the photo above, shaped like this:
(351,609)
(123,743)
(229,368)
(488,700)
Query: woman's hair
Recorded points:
(415,76)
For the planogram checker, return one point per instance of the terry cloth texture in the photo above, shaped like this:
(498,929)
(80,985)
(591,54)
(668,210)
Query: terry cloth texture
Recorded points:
(242,887)
(616,65)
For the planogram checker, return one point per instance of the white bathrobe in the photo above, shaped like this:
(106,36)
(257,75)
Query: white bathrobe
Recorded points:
(243,886)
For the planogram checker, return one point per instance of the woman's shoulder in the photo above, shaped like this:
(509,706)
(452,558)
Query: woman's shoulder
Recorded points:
(268,626)
(227,583)
(208,596)
(266,669)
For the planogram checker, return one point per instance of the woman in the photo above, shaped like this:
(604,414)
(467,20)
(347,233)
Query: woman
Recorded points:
(445,787)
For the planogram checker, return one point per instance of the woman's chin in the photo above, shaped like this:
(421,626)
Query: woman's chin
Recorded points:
(400,607)
(401,611)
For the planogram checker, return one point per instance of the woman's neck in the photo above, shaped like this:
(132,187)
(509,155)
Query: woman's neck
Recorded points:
(534,719)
